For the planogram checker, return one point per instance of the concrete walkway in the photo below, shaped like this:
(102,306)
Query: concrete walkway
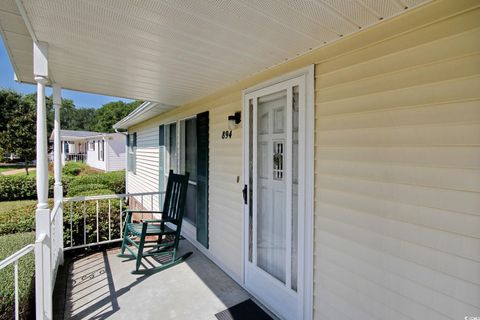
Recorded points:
(100,286)
(16,171)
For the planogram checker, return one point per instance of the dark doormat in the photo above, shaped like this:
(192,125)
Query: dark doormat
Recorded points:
(246,310)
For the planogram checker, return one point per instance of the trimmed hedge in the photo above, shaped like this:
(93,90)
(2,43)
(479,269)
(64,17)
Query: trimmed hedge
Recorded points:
(20,219)
(95,192)
(77,189)
(114,181)
(9,244)
(23,187)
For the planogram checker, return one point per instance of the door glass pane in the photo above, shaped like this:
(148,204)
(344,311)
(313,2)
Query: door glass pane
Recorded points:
(271,186)
(250,180)
(295,124)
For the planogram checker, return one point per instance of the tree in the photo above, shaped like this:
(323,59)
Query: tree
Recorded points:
(111,113)
(9,100)
(19,134)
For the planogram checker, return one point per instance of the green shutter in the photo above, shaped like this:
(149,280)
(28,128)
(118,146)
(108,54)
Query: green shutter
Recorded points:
(161,154)
(128,141)
(202,178)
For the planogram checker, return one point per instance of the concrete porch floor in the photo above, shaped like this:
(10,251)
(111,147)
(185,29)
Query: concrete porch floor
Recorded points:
(100,286)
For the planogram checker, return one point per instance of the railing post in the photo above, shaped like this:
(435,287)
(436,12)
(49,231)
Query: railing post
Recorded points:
(57,168)
(43,270)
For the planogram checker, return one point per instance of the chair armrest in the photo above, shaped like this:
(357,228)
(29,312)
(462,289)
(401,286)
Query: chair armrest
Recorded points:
(143,211)
(159,220)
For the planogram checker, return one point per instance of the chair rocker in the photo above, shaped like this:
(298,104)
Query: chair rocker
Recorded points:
(173,211)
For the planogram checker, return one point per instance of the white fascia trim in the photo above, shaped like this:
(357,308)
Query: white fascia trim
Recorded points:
(132,118)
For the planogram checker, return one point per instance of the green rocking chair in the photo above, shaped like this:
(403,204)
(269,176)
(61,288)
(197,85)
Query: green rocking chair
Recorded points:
(173,210)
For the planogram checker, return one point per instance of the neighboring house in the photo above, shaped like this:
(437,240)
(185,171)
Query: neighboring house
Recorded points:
(103,151)
(333,146)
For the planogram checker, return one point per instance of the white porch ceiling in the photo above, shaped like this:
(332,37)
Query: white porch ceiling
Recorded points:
(175,51)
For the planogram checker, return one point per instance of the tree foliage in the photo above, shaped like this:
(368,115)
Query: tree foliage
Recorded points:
(111,113)
(18,135)
(18,120)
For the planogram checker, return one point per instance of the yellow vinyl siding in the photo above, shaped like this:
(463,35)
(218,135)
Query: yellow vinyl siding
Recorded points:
(397,167)
(225,164)
(397,184)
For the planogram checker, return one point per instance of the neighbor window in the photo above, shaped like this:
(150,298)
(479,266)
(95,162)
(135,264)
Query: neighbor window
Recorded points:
(101,150)
(91,145)
(132,150)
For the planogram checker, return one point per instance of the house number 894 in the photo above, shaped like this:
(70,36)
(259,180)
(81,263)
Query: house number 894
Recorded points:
(226,134)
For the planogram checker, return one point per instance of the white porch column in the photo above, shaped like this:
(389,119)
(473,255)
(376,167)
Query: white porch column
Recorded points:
(43,274)
(57,147)
(57,170)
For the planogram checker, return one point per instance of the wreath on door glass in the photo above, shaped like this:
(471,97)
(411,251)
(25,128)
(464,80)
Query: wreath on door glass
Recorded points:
(278,160)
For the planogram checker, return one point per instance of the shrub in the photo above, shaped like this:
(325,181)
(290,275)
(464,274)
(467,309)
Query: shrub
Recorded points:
(20,187)
(20,219)
(9,244)
(80,220)
(77,189)
(23,187)
(114,181)
(95,192)
(74,168)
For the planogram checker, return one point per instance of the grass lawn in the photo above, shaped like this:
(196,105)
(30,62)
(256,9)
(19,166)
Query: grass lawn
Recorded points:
(12,205)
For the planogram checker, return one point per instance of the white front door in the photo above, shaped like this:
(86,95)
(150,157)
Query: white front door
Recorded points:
(275,206)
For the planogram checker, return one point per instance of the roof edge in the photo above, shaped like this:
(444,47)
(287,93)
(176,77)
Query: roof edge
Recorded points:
(133,118)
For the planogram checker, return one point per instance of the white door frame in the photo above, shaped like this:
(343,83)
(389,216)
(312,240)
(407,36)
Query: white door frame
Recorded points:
(308,187)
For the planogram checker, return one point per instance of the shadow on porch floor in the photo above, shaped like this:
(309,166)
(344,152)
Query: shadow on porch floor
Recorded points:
(100,286)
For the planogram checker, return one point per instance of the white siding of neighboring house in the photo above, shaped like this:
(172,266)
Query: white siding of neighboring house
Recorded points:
(115,152)
(92,156)
(397,169)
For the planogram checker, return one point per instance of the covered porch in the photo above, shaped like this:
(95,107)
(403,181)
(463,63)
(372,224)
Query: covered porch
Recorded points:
(387,224)
(100,285)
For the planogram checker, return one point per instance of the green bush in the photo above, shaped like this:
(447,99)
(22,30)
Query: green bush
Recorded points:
(95,192)
(74,168)
(80,220)
(20,187)
(21,219)
(23,187)
(114,181)
(9,244)
(77,189)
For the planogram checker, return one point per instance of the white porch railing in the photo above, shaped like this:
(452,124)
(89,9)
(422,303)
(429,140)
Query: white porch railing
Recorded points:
(56,229)
(94,220)
(13,259)
(76,157)
(73,223)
